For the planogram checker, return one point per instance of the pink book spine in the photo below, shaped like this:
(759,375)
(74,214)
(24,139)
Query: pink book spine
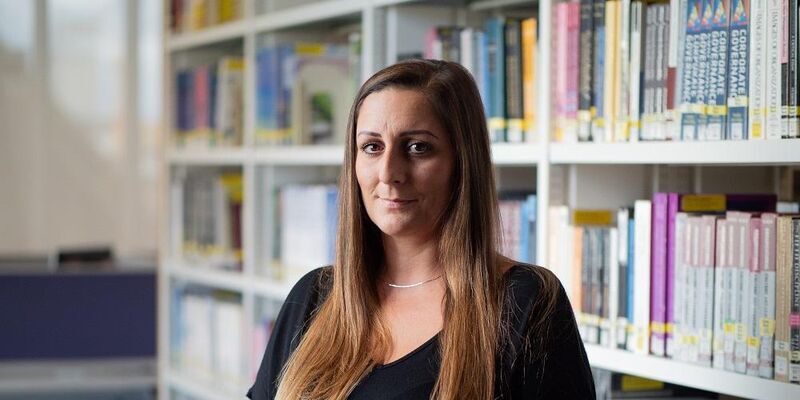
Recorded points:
(756,261)
(766,324)
(673,200)
(572,33)
(658,272)
(201,98)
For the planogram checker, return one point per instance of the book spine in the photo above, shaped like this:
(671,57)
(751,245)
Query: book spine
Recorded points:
(513,71)
(706,321)
(791,68)
(648,101)
(598,69)
(621,322)
(755,297)
(671,80)
(688,80)
(738,57)
(560,73)
(718,68)
(730,283)
(573,71)
(673,204)
(766,323)
(634,97)
(585,77)
(782,288)
(630,331)
(757,70)
(703,69)
(718,348)
(610,280)
(794,317)
(622,89)
(693,291)
(529,79)
(660,81)
(582,277)
(497,83)
(611,70)
(680,22)
(675,346)
(774,122)
(658,271)
(641,303)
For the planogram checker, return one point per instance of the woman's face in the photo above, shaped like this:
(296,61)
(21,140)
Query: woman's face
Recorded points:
(404,162)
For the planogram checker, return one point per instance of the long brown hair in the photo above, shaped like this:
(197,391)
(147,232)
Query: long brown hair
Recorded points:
(337,349)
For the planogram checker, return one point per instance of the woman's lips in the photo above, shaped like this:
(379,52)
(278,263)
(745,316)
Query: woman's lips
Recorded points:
(396,203)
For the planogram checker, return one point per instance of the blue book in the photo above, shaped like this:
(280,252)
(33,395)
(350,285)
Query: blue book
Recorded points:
(496,67)
(332,220)
(483,62)
(527,234)
(718,70)
(738,68)
(631,268)
(689,110)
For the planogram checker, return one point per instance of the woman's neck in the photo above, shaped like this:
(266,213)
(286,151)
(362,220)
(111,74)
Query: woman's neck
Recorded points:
(410,259)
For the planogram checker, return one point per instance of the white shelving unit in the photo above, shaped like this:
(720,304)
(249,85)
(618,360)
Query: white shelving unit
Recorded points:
(381,42)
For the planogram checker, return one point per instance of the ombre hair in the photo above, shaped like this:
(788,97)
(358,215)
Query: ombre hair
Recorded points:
(347,334)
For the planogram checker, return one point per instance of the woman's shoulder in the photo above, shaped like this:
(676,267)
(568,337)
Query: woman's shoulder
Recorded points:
(311,288)
(528,281)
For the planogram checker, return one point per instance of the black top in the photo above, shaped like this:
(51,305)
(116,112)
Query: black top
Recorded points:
(561,371)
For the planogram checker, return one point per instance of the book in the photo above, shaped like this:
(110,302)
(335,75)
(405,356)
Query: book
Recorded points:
(640,342)
(529,88)
(585,72)
(495,51)
(718,70)
(765,302)
(513,80)
(774,86)
(738,71)
(658,275)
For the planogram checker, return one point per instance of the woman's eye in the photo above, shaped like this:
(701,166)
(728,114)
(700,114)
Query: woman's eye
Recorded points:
(418,148)
(370,148)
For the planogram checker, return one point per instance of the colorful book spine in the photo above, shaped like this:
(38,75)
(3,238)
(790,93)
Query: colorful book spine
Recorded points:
(598,68)
(622,87)
(570,110)
(529,91)
(497,84)
(689,109)
(703,69)
(738,61)
(560,73)
(794,317)
(610,95)
(658,272)
(673,28)
(718,70)
(585,74)
(673,205)
(783,297)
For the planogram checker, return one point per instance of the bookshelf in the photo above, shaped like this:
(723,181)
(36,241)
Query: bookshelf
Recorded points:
(611,174)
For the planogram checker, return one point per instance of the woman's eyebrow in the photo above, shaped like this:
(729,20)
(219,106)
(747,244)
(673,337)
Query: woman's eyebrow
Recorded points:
(402,134)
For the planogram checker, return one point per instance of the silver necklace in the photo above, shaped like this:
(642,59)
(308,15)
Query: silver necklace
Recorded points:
(413,284)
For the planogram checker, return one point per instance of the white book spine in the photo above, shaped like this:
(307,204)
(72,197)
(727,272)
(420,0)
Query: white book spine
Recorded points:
(679,285)
(718,349)
(757,65)
(641,303)
(622,130)
(774,122)
(694,307)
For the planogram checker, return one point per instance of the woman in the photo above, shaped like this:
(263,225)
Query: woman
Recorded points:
(418,303)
